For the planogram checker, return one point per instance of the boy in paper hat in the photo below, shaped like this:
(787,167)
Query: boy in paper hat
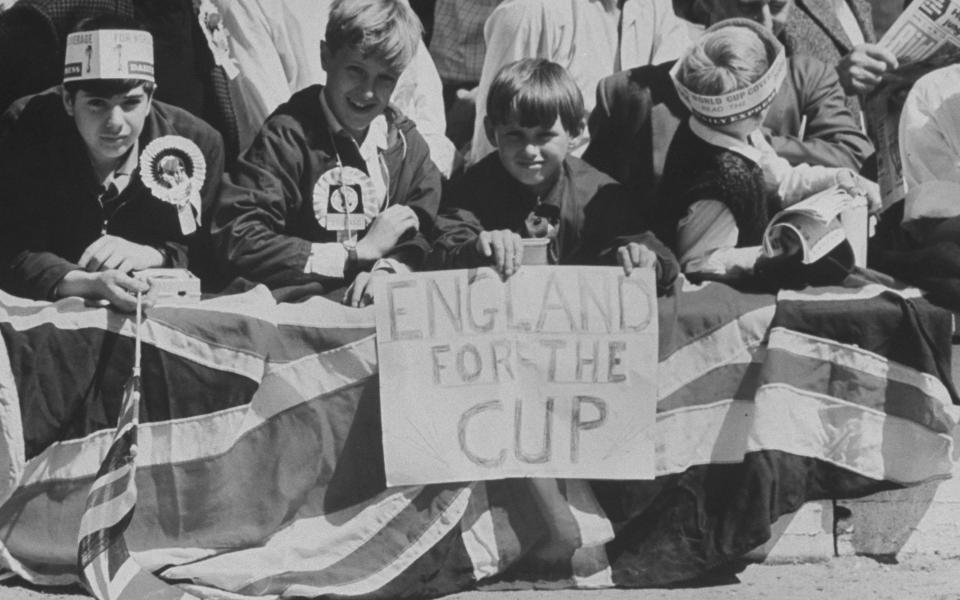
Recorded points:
(99,180)
(722,180)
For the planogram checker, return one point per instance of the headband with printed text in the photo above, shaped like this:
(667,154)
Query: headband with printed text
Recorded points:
(740,104)
(108,54)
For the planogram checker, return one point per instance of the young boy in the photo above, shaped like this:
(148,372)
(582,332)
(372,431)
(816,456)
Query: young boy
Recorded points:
(531,187)
(85,196)
(338,186)
(722,181)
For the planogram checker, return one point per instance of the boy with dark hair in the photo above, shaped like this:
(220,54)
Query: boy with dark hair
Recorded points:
(531,187)
(85,197)
(338,186)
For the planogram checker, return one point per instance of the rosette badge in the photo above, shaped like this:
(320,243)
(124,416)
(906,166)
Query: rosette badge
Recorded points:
(173,169)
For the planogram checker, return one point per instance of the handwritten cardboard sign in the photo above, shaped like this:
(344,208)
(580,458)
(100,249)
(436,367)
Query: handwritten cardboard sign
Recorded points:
(549,374)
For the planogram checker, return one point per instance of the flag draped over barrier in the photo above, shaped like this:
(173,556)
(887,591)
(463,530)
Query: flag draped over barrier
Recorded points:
(259,469)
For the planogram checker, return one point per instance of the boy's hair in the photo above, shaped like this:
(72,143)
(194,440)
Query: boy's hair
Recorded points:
(385,29)
(534,92)
(104,88)
(724,61)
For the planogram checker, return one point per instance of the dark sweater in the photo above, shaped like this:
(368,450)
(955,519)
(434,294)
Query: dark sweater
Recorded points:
(697,170)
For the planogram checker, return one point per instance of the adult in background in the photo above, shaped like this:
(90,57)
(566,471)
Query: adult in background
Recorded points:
(840,33)
(589,38)
(458,48)
(638,111)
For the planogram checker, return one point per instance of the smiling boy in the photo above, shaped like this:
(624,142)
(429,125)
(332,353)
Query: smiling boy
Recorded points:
(338,186)
(83,203)
(531,187)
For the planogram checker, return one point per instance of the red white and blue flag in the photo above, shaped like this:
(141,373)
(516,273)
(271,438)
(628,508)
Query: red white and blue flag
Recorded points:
(255,468)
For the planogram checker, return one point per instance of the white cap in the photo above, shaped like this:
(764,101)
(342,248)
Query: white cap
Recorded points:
(740,104)
(109,54)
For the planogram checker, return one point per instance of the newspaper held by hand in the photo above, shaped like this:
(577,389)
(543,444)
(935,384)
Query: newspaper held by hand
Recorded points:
(818,225)
(922,28)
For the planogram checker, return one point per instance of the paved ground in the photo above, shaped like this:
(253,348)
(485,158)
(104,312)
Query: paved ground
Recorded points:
(849,578)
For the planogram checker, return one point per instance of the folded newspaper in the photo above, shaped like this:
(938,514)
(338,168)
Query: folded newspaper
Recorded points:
(818,224)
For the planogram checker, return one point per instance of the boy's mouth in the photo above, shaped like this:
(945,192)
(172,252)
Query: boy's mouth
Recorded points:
(361,106)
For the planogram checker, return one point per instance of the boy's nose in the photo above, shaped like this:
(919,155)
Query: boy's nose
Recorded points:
(115,118)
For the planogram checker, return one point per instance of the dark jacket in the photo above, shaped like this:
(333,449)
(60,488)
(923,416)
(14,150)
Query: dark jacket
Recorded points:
(264,222)
(638,111)
(597,216)
(49,207)
(33,36)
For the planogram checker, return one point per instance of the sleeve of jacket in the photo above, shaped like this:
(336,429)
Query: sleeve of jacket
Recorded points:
(27,267)
(249,220)
(833,137)
(458,225)
(612,220)
(601,152)
(419,189)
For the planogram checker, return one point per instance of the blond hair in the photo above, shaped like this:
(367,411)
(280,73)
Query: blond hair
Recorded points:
(724,61)
(385,29)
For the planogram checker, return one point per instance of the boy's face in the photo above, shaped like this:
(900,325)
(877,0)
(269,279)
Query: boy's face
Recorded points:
(110,125)
(532,155)
(358,88)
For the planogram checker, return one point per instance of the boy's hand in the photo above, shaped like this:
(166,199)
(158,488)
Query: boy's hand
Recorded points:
(635,256)
(360,292)
(858,185)
(116,287)
(112,252)
(385,231)
(862,70)
(505,247)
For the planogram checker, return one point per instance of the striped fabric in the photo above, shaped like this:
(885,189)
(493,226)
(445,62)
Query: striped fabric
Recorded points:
(259,470)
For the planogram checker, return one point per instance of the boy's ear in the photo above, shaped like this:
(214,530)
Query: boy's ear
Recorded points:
(490,130)
(67,101)
(324,55)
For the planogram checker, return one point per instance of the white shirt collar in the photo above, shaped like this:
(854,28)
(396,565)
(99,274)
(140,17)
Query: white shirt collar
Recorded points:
(728,142)
(376,137)
(120,177)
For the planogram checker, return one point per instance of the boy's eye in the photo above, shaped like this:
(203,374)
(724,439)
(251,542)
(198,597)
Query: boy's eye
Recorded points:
(132,103)
(355,70)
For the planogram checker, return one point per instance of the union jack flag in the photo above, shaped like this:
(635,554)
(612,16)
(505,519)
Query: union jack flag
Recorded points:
(259,467)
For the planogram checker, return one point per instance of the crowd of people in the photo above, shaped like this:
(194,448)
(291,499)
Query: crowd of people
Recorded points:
(314,146)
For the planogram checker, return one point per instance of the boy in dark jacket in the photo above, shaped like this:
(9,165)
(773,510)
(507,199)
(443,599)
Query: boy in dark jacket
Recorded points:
(337,187)
(532,188)
(98,178)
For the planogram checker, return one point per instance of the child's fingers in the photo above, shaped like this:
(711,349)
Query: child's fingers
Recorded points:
(623,257)
(484,241)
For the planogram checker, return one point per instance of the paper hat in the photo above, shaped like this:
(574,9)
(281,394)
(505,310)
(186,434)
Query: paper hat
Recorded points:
(740,104)
(109,54)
